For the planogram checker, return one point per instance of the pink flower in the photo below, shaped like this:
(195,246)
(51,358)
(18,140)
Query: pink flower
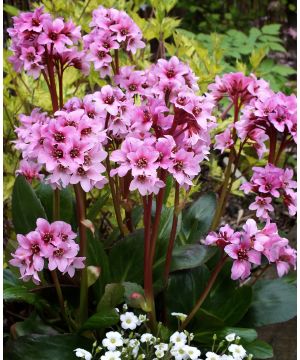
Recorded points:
(185,166)
(146,184)
(107,99)
(30,170)
(53,35)
(225,236)
(143,161)
(243,256)
(286,260)
(224,140)
(75,263)
(61,256)
(262,205)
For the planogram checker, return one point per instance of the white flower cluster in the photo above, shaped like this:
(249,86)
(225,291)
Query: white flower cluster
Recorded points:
(128,344)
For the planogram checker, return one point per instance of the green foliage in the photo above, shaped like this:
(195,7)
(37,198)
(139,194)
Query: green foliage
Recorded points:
(23,200)
(37,347)
(274,301)
(104,318)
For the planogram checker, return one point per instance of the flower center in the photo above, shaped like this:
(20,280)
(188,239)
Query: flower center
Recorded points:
(179,165)
(81,171)
(91,114)
(124,32)
(57,153)
(142,163)
(170,73)
(101,54)
(142,178)
(242,254)
(197,111)
(86,131)
(35,22)
(109,100)
(132,87)
(47,237)
(58,252)
(35,248)
(181,100)
(30,56)
(59,137)
(87,160)
(74,153)
(53,36)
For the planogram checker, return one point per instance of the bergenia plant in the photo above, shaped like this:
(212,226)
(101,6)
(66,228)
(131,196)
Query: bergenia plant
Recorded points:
(137,144)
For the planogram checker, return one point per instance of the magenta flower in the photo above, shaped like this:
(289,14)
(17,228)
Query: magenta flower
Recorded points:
(53,35)
(30,170)
(262,205)
(224,140)
(225,236)
(107,99)
(60,256)
(143,161)
(286,260)
(146,184)
(243,256)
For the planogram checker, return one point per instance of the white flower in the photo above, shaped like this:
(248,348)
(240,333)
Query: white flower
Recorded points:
(162,346)
(147,338)
(192,352)
(178,351)
(113,340)
(83,354)
(237,351)
(129,321)
(159,353)
(226,357)
(111,355)
(212,356)
(178,338)
(230,337)
(142,318)
(134,344)
(179,315)
(125,307)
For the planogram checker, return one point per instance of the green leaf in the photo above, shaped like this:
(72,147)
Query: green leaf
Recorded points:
(11,10)
(26,207)
(45,194)
(190,256)
(276,47)
(10,279)
(205,337)
(102,319)
(194,281)
(37,347)
(34,325)
(272,29)
(284,70)
(198,217)
(274,301)
(97,206)
(113,296)
(259,349)
(126,258)
(22,294)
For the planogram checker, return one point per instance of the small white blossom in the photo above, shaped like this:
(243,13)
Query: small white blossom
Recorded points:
(178,351)
(178,338)
(238,352)
(142,318)
(147,338)
(226,357)
(83,354)
(159,353)
(125,307)
(129,321)
(212,356)
(111,355)
(230,337)
(113,340)
(192,352)
(134,344)
(179,315)
(162,346)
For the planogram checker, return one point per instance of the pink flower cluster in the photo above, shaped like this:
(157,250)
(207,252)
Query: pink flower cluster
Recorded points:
(36,36)
(111,30)
(265,114)
(268,115)
(168,132)
(271,182)
(69,146)
(246,247)
(52,244)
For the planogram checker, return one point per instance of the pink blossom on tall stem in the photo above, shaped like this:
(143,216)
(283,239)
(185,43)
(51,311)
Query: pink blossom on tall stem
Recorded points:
(224,140)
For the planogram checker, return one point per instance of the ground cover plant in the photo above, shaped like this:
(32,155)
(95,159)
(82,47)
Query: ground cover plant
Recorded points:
(120,251)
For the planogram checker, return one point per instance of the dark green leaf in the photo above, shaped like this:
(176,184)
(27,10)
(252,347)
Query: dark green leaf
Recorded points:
(205,337)
(26,207)
(113,296)
(97,206)
(197,218)
(274,301)
(34,325)
(10,279)
(126,258)
(45,194)
(22,294)
(190,256)
(38,347)
(259,349)
(102,319)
